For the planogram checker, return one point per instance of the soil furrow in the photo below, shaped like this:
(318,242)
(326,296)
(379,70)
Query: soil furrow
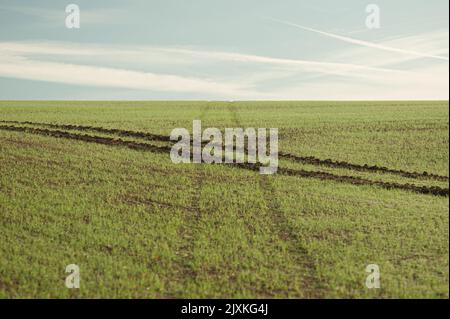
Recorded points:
(88,138)
(354,180)
(363,168)
(288,156)
(119,132)
(434,190)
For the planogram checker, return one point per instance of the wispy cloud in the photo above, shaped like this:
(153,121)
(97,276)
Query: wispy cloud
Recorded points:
(158,57)
(85,75)
(316,66)
(172,54)
(361,42)
(227,75)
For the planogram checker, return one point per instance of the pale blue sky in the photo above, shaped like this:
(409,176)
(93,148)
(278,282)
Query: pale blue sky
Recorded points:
(209,49)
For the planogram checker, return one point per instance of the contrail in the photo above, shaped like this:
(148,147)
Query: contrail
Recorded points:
(326,67)
(361,42)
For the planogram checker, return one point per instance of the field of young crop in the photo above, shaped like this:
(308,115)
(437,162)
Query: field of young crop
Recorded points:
(92,184)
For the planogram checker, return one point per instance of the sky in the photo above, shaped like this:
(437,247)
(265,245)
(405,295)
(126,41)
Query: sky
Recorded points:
(224,50)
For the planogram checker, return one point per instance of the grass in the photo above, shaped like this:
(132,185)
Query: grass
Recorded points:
(140,226)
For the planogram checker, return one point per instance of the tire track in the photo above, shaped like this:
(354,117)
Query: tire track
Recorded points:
(119,132)
(88,138)
(354,180)
(190,227)
(310,286)
(357,167)
(433,190)
(288,156)
(346,165)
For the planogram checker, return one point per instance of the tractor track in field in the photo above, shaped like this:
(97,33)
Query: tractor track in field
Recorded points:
(283,155)
(433,190)
(119,132)
(354,180)
(362,168)
(88,138)
(191,222)
(310,286)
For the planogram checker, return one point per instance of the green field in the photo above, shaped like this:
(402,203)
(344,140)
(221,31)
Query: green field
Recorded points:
(140,226)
